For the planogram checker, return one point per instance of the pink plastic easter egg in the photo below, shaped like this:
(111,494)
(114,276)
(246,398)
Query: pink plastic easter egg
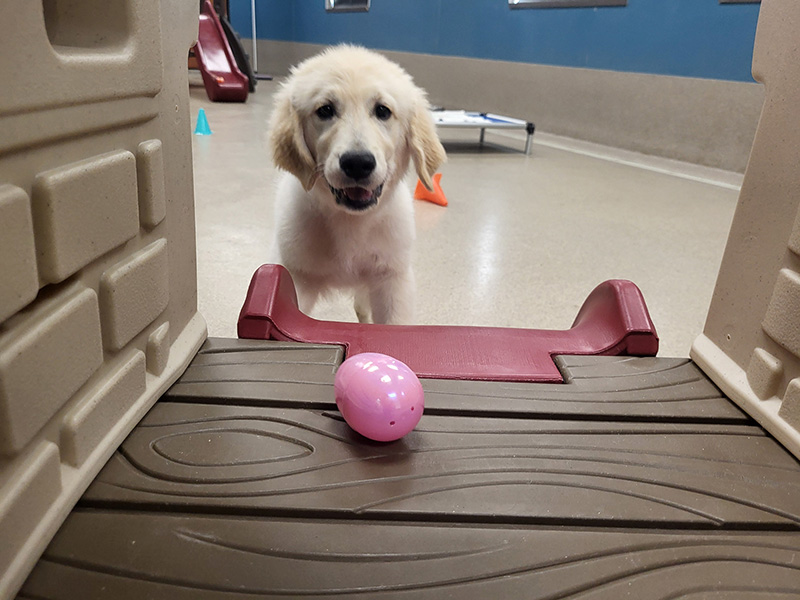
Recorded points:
(379,396)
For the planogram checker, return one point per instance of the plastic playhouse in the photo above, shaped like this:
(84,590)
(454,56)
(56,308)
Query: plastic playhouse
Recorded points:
(140,460)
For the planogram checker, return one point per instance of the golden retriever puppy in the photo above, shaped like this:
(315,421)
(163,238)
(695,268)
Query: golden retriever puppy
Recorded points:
(346,126)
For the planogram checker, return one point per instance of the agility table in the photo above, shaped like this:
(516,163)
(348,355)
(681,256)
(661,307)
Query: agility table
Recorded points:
(462,119)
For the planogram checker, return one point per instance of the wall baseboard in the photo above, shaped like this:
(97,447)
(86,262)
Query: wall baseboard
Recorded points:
(702,121)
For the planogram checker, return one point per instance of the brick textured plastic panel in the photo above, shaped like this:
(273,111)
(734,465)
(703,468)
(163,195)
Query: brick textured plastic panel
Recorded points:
(83,210)
(17,252)
(63,333)
(750,346)
(82,429)
(98,290)
(29,496)
(612,321)
(150,172)
(265,492)
(134,292)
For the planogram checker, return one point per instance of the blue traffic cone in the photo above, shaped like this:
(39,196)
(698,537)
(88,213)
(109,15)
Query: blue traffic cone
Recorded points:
(202,127)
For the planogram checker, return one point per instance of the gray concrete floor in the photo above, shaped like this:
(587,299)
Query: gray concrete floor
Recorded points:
(522,243)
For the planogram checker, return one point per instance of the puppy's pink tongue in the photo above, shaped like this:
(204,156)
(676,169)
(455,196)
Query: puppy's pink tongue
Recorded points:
(358,194)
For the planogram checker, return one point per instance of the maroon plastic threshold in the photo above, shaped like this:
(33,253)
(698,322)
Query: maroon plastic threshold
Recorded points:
(613,321)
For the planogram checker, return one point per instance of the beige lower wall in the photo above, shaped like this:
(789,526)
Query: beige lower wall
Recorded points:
(702,121)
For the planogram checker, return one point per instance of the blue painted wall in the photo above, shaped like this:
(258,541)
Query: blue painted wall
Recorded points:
(691,38)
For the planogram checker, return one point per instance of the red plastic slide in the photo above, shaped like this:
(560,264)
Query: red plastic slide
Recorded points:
(223,80)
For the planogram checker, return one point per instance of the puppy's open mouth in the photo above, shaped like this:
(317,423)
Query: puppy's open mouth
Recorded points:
(356,198)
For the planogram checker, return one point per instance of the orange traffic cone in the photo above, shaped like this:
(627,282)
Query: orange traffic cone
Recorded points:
(436,196)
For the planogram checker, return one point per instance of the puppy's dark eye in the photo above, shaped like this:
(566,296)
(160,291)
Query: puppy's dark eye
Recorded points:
(382,112)
(326,111)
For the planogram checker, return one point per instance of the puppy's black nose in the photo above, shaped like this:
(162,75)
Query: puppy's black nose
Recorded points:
(357,165)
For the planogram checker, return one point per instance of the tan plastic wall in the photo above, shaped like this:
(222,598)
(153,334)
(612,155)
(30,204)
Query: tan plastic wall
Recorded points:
(97,250)
(750,346)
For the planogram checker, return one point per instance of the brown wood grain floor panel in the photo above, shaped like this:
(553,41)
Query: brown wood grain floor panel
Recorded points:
(279,461)
(636,478)
(166,556)
(283,374)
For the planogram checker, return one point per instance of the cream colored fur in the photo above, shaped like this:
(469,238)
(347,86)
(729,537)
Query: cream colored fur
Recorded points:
(351,101)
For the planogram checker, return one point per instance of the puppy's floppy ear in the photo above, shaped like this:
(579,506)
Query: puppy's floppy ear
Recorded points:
(289,149)
(426,149)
